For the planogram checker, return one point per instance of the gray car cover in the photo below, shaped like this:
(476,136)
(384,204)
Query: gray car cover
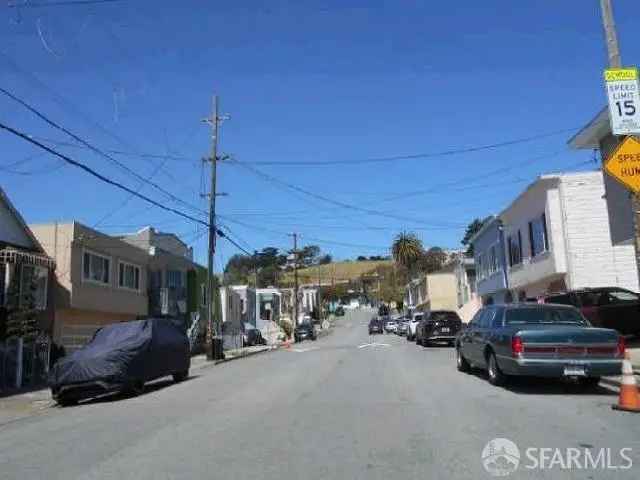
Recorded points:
(125,352)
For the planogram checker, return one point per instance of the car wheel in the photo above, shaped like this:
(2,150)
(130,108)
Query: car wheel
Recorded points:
(180,376)
(66,402)
(496,377)
(426,342)
(135,388)
(461,362)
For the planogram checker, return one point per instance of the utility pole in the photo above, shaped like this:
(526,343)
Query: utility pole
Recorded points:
(318,295)
(295,278)
(611,35)
(255,255)
(213,327)
(615,61)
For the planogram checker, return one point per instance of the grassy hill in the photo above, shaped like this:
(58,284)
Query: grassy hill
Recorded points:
(337,271)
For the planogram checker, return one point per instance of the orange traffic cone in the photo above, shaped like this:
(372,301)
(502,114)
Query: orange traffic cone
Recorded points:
(629,400)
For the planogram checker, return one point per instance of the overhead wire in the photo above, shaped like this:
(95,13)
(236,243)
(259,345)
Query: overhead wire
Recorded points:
(96,150)
(317,196)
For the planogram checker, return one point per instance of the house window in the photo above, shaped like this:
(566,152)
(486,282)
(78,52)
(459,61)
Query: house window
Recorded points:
(493,260)
(33,287)
(514,242)
(203,294)
(538,235)
(96,268)
(128,276)
(2,284)
(174,279)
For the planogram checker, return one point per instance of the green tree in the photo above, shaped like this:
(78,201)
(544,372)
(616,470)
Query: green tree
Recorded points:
(432,260)
(323,260)
(407,249)
(473,228)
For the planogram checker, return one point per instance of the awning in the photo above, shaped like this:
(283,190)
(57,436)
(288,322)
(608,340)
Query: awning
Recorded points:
(11,255)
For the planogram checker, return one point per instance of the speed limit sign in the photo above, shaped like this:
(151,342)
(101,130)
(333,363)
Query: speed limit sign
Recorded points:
(623,90)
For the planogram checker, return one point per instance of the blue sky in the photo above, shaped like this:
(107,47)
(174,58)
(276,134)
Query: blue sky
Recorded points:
(303,81)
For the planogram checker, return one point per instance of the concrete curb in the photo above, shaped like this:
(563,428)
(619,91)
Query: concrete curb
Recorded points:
(615,381)
(211,363)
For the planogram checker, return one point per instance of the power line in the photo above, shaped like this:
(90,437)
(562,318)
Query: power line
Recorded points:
(97,150)
(315,239)
(295,188)
(116,184)
(99,176)
(159,156)
(59,3)
(444,153)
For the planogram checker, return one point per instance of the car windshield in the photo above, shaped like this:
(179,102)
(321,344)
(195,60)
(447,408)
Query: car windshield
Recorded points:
(543,315)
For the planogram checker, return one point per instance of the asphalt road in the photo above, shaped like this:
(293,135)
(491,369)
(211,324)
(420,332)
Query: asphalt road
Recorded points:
(325,409)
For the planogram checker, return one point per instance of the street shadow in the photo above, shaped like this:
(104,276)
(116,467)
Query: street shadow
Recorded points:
(438,345)
(151,387)
(547,386)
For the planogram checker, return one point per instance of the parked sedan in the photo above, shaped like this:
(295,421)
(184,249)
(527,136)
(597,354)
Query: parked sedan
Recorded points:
(402,327)
(121,357)
(375,326)
(303,331)
(390,326)
(538,340)
(438,326)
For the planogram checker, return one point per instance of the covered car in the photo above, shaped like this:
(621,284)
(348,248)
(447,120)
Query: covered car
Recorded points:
(122,357)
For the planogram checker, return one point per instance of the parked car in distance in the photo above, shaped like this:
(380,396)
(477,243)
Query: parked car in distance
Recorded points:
(303,331)
(121,357)
(401,329)
(375,326)
(438,326)
(390,325)
(412,325)
(538,340)
(339,312)
(383,310)
(252,336)
(609,307)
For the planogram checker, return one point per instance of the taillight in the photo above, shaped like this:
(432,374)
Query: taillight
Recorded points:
(516,346)
(620,349)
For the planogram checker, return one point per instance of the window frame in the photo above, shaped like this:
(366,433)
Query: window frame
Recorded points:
(203,294)
(109,259)
(542,219)
(124,263)
(514,247)
(182,279)
(43,306)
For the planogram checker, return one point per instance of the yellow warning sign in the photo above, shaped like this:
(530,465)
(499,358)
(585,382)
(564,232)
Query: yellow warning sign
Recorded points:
(617,74)
(624,164)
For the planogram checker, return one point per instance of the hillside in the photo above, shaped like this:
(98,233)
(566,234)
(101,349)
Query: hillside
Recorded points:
(336,272)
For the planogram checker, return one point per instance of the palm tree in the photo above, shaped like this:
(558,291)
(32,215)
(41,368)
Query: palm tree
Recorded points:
(407,249)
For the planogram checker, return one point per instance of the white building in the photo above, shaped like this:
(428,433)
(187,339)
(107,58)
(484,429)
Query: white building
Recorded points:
(467,296)
(556,237)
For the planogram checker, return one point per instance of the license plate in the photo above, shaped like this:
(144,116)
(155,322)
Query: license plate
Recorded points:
(444,330)
(574,371)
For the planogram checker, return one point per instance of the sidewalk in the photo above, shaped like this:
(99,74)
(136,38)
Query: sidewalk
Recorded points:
(200,361)
(23,405)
